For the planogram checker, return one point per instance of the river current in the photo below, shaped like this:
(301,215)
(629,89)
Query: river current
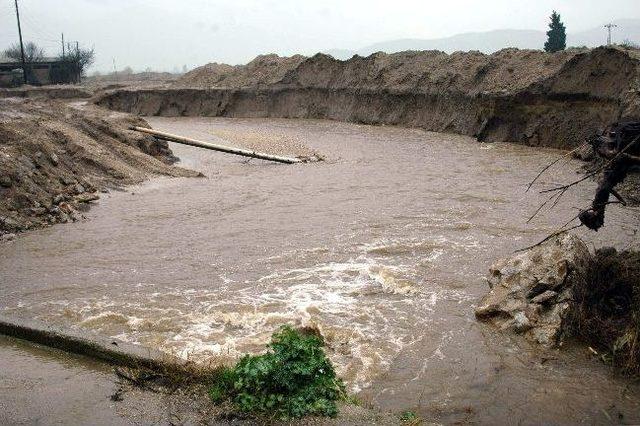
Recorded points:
(383,247)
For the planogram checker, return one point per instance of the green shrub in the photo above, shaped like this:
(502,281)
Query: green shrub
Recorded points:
(409,417)
(293,379)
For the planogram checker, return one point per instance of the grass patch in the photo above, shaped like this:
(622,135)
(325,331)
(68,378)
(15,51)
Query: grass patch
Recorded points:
(293,379)
(607,313)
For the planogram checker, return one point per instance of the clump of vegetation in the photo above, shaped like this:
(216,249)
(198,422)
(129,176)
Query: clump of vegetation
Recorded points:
(628,44)
(607,313)
(410,417)
(293,379)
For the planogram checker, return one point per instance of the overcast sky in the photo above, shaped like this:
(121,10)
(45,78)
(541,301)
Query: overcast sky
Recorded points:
(164,34)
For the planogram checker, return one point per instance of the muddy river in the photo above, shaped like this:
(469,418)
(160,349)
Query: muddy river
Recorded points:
(383,247)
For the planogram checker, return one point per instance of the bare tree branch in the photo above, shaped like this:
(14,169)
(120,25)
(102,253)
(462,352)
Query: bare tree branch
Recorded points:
(551,164)
(32,52)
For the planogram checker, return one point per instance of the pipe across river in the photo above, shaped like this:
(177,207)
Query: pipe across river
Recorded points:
(383,247)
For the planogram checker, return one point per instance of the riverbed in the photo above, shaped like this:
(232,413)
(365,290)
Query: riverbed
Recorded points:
(383,247)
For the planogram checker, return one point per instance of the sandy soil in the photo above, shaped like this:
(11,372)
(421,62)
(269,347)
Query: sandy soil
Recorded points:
(263,70)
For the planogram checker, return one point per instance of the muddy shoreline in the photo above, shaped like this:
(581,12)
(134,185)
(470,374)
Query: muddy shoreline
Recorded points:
(526,97)
(58,157)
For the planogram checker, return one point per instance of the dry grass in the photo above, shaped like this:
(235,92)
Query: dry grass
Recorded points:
(607,313)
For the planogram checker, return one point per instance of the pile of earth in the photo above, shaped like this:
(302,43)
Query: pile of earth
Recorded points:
(262,71)
(506,71)
(54,158)
(117,80)
(523,96)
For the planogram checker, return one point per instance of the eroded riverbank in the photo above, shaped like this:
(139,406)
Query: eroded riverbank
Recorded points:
(525,96)
(383,247)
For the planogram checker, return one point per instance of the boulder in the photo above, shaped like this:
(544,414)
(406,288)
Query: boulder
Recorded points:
(86,198)
(531,292)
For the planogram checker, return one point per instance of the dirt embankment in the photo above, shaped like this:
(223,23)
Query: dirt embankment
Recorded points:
(264,70)
(524,96)
(47,92)
(54,158)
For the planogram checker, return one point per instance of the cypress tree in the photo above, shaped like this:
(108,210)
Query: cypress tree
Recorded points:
(556,36)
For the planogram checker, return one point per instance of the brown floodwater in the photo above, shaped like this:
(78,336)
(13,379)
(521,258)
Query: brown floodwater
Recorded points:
(383,247)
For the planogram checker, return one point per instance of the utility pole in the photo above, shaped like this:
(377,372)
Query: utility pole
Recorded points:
(78,62)
(24,64)
(609,26)
(63,46)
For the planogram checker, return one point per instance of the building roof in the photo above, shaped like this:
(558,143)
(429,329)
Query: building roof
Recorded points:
(6,60)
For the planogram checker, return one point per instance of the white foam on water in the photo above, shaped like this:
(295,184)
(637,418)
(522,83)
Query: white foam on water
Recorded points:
(368,308)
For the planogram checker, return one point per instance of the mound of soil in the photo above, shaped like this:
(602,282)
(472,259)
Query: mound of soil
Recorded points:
(53,159)
(607,307)
(504,72)
(98,83)
(523,96)
(263,70)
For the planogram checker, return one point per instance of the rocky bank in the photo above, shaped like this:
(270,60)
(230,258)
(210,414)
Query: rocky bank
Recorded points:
(559,290)
(524,96)
(531,293)
(56,157)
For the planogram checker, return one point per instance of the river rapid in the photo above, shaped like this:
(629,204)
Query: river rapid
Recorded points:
(383,247)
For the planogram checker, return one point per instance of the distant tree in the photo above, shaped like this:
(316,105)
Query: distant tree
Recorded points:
(78,59)
(127,70)
(32,52)
(556,36)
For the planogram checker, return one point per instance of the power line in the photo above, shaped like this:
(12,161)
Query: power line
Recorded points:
(35,24)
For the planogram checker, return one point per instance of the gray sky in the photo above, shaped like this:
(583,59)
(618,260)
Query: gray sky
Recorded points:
(163,34)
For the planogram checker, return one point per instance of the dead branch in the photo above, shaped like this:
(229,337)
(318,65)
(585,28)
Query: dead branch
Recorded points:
(547,201)
(564,157)
(558,232)
(596,171)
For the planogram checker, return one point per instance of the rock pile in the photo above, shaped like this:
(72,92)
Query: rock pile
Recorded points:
(531,293)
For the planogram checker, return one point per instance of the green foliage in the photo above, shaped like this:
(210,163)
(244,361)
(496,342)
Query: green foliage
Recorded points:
(293,379)
(409,417)
(556,36)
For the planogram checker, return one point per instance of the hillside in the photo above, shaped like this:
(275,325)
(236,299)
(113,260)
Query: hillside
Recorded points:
(492,41)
